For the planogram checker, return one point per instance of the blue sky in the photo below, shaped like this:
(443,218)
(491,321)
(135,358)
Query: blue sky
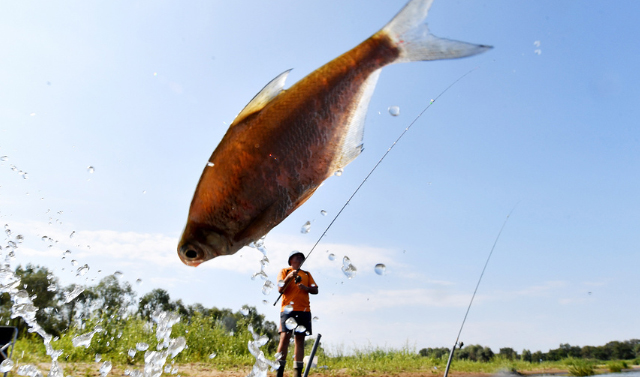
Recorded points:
(547,122)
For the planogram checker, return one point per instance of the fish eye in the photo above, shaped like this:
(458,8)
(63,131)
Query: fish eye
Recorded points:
(190,253)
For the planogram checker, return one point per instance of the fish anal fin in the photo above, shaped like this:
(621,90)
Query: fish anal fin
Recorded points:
(268,93)
(352,143)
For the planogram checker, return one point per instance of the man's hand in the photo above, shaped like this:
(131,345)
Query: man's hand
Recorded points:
(313,290)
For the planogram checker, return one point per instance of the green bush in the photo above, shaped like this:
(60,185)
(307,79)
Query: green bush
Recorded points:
(616,366)
(579,367)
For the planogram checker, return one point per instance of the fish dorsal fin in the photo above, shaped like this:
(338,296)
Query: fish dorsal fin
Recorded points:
(269,92)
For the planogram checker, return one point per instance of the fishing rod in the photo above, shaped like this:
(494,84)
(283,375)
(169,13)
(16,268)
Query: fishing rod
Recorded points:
(371,172)
(446,371)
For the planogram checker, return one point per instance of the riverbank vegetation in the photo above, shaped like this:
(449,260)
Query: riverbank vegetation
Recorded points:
(217,338)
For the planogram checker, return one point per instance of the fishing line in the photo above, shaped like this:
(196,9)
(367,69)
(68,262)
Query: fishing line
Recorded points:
(375,167)
(446,371)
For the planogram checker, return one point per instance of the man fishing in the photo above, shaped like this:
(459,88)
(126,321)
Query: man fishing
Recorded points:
(295,313)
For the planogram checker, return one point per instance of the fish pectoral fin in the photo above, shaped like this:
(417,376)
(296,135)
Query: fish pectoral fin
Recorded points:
(268,93)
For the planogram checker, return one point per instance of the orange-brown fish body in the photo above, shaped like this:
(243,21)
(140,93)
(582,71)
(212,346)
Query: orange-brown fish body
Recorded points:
(284,144)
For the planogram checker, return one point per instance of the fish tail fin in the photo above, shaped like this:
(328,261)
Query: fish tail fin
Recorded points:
(412,37)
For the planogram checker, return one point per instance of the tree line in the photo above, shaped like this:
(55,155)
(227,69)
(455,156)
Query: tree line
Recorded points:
(115,300)
(615,350)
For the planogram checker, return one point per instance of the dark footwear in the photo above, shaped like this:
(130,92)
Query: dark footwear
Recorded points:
(281,369)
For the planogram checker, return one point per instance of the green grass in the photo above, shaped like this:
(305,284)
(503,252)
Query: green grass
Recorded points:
(579,367)
(205,337)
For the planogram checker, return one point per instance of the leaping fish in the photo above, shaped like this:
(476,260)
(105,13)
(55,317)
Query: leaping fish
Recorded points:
(285,143)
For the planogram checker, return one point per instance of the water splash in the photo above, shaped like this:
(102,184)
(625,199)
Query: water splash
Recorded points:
(69,296)
(82,270)
(306,228)
(348,268)
(261,274)
(105,368)
(84,340)
(262,364)
(6,366)
(291,323)
(267,287)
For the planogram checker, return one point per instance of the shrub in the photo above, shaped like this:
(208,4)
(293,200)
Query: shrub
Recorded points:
(581,368)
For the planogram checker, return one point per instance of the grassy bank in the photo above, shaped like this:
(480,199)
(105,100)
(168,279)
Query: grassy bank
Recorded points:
(232,357)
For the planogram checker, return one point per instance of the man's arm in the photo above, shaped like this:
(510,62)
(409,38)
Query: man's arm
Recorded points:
(312,290)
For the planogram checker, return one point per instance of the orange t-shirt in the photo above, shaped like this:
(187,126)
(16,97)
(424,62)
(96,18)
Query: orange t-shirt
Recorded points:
(293,293)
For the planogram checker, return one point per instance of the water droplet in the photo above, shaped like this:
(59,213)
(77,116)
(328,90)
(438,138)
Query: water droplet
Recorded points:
(73,294)
(138,281)
(301,328)
(117,273)
(19,238)
(338,173)
(432,101)
(536,43)
(142,346)
(82,270)
(323,212)
(315,319)
(98,357)
(332,256)
(4,158)
(380,268)
(394,110)
(348,269)
(106,367)
(280,283)
(244,311)
(90,169)
(8,232)
(538,51)
(260,273)
(267,287)
(33,114)
(306,228)
(210,164)
(291,323)
(288,309)
(6,366)
(72,233)
(131,352)
(144,191)
(265,302)
(74,262)
(44,238)
(213,354)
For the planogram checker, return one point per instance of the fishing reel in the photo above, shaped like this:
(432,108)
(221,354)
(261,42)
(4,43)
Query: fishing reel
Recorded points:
(298,279)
